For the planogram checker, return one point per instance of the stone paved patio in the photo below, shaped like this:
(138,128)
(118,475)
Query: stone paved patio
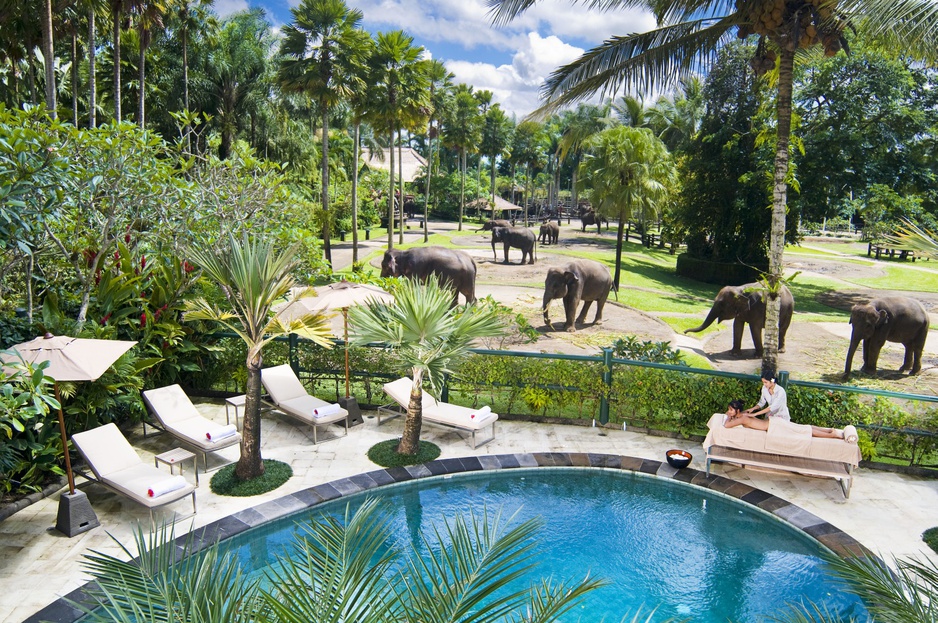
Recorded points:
(886,512)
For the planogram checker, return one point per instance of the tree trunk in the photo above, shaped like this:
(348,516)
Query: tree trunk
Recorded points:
(355,156)
(410,438)
(391,195)
(426,200)
(250,465)
(400,178)
(462,187)
(779,206)
(141,77)
(326,219)
(74,77)
(48,52)
(493,181)
(92,83)
(185,55)
(116,36)
(620,236)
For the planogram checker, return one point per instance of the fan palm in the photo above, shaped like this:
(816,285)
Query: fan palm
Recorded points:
(337,571)
(627,170)
(323,50)
(253,277)
(688,34)
(429,336)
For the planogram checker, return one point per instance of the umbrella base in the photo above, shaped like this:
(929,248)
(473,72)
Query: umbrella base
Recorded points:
(75,514)
(350,404)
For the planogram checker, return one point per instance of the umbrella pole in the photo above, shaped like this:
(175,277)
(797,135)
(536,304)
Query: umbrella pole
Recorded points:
(345,324)
(68,461)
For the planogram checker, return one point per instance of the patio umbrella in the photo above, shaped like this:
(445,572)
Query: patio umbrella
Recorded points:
(70,359)
(337,296)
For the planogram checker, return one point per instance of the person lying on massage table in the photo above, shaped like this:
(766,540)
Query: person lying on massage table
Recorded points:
(735,416)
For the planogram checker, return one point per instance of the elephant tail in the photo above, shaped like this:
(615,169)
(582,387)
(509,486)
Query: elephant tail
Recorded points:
(615,288)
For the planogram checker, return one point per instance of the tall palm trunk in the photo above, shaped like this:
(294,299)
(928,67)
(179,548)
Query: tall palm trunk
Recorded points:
(462,187)
(141,77)
(426,200)
(779,205)
(400,179)
(92,83)
(116,37)
(326,219)
(391,195)
(185,55)
(47,52)
(493,180)
(355,151)
(74,77)
(250,465)
(410,438)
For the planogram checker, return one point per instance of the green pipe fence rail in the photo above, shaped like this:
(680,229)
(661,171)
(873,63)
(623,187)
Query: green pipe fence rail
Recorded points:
(642,394)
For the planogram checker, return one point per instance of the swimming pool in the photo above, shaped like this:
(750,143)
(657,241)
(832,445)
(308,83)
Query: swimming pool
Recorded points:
(685,550)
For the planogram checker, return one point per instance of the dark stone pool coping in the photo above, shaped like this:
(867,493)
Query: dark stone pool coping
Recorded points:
(838,541)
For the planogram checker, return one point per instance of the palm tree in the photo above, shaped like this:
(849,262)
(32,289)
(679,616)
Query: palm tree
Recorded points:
(253,277)
(358,103)
(149,16)
(323,51)
(401,87)
(117,16)
(684,42)
(626,169)
(428,335)
(48,52)
(440,91)
(344,569)
(462,132)
(496,137)
(579,125)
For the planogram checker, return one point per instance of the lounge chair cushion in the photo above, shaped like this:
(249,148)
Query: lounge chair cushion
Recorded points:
(114,463)
(176,413)
(440,412)
(743,438)
(287,392)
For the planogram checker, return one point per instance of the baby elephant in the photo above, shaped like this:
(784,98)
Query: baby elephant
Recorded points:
(550,233)
(518,237)
(580,280)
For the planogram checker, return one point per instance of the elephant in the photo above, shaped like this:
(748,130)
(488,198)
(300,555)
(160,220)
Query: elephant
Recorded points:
(579,280)
(489,225)
(588,217)
(518,237)
(550,233)
(453,267)
(888,319)
(744,304)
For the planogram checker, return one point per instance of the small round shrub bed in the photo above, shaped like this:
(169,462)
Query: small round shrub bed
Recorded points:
(930,537)
(226,483)
(385,454)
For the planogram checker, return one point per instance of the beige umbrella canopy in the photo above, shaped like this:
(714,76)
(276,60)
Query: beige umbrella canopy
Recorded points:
(70,359)
(336,296)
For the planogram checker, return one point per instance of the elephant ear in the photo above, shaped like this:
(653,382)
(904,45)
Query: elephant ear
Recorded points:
(570,277)
(883,318)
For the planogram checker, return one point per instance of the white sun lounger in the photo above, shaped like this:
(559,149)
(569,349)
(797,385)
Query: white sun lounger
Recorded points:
(436,412)
(117,466)
(179,417)
(289,396)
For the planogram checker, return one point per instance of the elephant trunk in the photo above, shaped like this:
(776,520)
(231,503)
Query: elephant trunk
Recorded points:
(714,315)
(546,304)
(855,340)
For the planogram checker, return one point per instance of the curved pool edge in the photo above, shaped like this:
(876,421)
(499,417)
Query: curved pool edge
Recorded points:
(828,535)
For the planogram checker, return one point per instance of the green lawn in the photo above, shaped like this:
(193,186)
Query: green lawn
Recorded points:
(903,278)
(682,323)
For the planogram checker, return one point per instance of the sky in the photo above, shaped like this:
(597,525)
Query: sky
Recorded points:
(510,61)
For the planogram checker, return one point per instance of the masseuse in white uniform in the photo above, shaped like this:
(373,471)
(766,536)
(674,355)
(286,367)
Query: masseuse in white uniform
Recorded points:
(774,400)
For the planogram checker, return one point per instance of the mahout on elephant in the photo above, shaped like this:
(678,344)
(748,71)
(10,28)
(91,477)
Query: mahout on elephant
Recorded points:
(746,303)
(579,280)
(550,233)
(888,319)
(454,268)
(589,217)
(488,225)
(518,237)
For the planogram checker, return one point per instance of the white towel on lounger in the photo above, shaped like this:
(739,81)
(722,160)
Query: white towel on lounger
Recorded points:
(167,485)
(326,411)
(480,413)
(221,432)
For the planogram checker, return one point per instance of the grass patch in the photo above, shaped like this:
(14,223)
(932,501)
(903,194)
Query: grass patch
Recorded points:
(654,301)
(681,323)
(696,361)
(385,454)
(901,278)
(226,483)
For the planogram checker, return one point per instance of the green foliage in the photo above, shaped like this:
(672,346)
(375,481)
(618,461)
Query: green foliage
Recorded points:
(631,348)
(225,482)
(30,443)
(930,537)
(385,454)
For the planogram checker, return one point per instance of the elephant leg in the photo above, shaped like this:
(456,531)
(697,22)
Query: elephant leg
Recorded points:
(755,332)
(916,360)
(600,303)
(738,326)
(530,256)
(586,307)
(569,308)
(506,252)
(875,348)
(907,360)
(867,348)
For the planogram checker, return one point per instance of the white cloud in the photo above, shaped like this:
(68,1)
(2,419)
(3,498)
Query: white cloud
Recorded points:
(224,8)
(516,86)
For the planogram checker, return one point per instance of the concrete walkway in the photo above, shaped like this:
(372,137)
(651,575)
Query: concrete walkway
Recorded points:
(886,512)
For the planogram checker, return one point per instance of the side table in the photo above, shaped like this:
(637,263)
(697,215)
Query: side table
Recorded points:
(237,402)
(175,457)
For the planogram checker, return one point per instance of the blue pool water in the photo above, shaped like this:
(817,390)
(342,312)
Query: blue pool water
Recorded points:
(692,554)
